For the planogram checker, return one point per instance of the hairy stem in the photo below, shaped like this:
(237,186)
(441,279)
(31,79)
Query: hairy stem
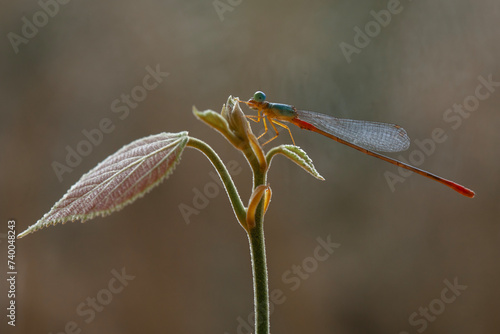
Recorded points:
(232,192)
(259,262)
(260,282)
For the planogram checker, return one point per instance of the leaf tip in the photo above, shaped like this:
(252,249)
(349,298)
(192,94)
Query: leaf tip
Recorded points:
(24,233)
(297,155)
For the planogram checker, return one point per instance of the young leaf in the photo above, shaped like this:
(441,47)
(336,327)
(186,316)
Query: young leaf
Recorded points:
(297,155)
(117,181)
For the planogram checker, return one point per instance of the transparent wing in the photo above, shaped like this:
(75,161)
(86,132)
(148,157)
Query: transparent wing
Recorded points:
(382,137)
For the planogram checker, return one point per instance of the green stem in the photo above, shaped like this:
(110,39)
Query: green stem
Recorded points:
(232,192)
(259,263)
(260,283)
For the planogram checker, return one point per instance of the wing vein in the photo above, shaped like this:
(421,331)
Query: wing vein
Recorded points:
(375,136)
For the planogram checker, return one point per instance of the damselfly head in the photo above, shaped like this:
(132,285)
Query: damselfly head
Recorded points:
(259,96)
(257,100)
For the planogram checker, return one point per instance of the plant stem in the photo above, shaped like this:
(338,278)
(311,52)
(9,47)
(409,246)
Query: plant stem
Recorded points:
(260,283)
(259,262)
(232,192)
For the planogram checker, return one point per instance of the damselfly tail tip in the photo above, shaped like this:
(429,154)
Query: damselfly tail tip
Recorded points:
(461,189)
(469,193)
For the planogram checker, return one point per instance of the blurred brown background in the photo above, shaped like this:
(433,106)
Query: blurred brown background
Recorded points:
(396,247)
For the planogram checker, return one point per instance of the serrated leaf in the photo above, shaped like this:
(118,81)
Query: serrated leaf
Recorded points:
(297,155)
(117,181)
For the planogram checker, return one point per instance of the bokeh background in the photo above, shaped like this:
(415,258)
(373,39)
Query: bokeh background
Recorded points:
(396,247)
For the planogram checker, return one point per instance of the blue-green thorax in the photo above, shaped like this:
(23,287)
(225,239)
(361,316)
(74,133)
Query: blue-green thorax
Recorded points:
(281,111)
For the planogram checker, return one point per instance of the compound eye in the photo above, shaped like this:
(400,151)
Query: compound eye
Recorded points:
(259,96)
